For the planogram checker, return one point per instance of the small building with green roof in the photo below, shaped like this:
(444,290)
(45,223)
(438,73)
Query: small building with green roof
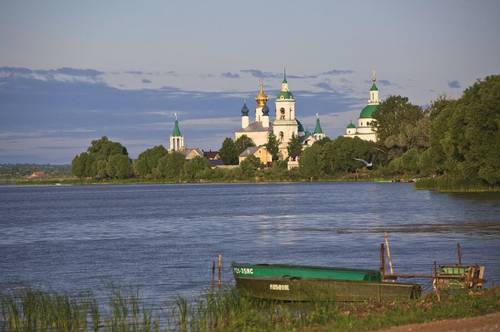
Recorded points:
(366,121)
(318,131)
(176,139)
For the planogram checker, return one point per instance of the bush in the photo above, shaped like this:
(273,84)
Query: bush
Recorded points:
(195,168)
(250,165)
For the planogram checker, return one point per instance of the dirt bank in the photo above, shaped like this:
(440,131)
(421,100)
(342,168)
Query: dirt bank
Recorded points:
(487,323)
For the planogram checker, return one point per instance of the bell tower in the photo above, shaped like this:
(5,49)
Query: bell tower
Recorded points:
(285,125)
(374,99)
(176,139)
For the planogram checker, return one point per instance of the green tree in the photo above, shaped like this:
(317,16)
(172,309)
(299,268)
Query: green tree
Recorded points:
(170,166)
(272,145)
(410,162)
(339,156)
(250,165)
(96,162)
(102,171)
(294,147)
(440,112)
(103,147)
(470,133)
(396,119)
(119,166)
(194,169)
(228,153)
(242,143)
(78,165)
(148,160)
(309,162)
(91,165)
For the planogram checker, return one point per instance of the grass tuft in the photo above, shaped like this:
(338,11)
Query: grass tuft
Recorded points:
(226,310)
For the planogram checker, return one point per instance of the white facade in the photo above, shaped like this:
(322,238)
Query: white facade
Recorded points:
(259,137)
(245,121)
(265,121)
(258,114)
(365,129)
(257,131)
(319,137)
(176,143)
(176,139)
(285,125)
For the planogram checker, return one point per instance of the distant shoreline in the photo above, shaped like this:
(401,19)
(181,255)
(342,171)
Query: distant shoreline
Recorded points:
(75,181)
(422,184)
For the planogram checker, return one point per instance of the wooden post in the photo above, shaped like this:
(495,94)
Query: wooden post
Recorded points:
(220,271)
(212,274)
(382,261)
(459,254)
(386,237)
(436,282)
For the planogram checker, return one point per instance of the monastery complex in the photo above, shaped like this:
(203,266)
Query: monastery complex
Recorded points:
(284,125)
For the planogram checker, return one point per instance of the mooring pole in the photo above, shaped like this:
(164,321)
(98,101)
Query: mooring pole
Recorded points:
(436,282)
(212,274)
(386,237)
(220,271)
(459,254)
(382,261)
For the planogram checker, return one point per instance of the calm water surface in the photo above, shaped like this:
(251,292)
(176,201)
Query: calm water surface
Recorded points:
(160,238)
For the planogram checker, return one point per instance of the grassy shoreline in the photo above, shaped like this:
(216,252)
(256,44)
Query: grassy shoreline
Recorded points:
(76,181)
(443,184)
(226,310)
(435,184)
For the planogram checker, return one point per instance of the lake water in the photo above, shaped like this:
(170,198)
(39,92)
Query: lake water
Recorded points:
(160,238)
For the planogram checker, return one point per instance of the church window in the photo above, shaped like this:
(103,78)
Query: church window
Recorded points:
(282,111)
(281,135)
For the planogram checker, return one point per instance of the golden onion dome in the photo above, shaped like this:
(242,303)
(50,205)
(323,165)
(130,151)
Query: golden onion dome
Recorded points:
(261,97)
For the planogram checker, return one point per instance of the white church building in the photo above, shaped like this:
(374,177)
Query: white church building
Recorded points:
(365,129)
(285,124)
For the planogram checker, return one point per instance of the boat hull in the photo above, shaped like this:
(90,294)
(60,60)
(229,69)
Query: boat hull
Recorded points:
(293,289)
(303,272)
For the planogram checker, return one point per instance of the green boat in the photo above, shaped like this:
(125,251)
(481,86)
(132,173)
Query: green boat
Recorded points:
(316,283)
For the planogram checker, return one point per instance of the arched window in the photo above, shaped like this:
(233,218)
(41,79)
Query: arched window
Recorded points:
(282,135)
(282,112)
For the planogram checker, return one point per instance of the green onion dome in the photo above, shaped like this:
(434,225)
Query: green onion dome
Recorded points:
(351,125)
(284,95)
(368,111)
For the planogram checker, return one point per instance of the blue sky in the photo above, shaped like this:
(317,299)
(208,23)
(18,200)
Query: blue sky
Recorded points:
(74,71)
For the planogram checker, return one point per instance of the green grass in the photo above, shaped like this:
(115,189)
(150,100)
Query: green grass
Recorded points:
(35,310)
(445,184)
(77,181)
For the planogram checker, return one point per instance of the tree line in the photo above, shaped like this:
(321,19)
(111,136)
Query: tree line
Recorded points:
(453,139)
